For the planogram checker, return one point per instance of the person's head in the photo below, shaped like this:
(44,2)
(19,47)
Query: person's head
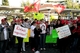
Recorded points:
(22,20)
(38,26)
(33,23)
(26,20)
(12,22)
(42,21)
(58,22)
(29,21)
(6,20)
(35,20)
(19,21)
(75,25)
(3,21)
(54,22)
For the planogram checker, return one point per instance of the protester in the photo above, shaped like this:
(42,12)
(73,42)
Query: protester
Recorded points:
(43,35)
(33,26)
(6,21)
(78,26)
(26,25)
(37,32)
(74,38)
(4,36)
(61,43)
(12,37)
(20,40)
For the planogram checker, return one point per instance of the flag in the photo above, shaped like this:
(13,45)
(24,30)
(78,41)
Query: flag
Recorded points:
(59,8)
(33,7)
(37,6)
(26,9)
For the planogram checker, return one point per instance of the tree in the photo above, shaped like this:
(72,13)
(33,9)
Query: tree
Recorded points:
(70,4)
(5,2)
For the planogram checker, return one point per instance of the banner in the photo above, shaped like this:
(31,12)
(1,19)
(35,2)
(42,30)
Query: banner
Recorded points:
(20,31)
(63,31)
(54,34)
(52,38)
(49,39)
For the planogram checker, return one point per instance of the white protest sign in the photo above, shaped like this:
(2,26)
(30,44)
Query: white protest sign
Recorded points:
(20,31)
(63,31)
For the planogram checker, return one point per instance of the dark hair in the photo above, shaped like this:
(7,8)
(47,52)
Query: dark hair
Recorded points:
(41,20)
(33,23)
(5,18)
(26,20)
(58,20)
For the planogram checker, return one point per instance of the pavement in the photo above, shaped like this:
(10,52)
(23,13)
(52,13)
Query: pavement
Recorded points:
(49,49)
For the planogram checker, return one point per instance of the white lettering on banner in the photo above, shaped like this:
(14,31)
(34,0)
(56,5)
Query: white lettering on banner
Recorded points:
(20,31)
(63,31)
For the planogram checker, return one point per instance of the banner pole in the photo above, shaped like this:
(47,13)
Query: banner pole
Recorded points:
(49,15)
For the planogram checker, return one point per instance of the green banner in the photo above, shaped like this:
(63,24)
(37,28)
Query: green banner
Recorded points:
(49,39)
(54,34)
(53,37)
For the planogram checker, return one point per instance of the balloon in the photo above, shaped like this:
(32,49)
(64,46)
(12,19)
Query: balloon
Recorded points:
(38,16)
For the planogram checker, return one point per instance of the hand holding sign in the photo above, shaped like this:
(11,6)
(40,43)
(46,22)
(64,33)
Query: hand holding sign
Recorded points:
(63,31)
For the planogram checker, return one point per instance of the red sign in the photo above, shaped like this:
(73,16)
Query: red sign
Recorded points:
(59,8)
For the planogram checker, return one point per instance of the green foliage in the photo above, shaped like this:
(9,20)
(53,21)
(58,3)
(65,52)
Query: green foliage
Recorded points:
(70,5)
(9,18)
(25,3)
(5,2)
(29,14)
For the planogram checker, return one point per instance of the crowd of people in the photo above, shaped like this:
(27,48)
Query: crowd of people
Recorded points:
(39,29)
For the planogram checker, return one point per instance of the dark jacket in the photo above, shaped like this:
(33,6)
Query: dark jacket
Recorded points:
(2,33)
(37,32)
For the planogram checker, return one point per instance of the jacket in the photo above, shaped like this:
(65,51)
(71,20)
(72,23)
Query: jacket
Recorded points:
(2,33)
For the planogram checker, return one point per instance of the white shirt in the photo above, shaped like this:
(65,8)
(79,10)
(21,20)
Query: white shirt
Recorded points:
(5,32)
(43,28)
(32,30)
